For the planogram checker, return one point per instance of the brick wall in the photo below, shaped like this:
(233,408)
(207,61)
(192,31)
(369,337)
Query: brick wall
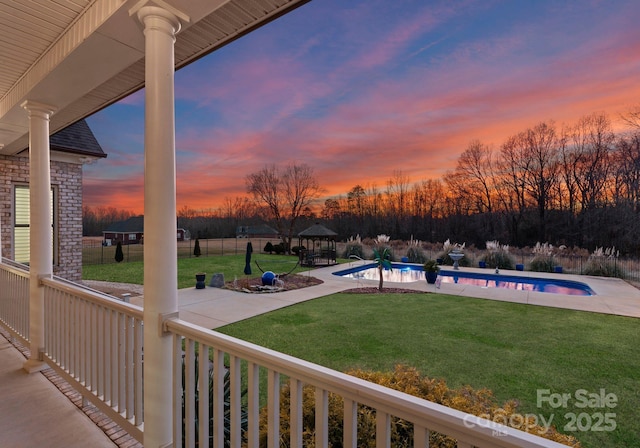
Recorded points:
(66,179)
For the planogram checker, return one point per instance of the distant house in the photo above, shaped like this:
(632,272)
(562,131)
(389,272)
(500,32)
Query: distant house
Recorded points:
(70,148)
(131,231)
(258,231)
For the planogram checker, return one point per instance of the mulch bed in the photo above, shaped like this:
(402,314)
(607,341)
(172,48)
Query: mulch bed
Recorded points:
(290,282)
(370,290)
(298,281)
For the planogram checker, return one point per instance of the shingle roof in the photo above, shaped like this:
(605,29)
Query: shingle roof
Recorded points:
(131,225)
(78,139)
(261,229)
(317,230)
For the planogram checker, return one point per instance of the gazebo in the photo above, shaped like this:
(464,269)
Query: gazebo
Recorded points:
(320,246)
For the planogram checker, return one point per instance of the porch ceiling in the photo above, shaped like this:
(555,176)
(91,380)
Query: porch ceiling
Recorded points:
(79,56)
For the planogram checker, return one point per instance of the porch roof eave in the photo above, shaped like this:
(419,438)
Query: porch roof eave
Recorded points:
(82,61)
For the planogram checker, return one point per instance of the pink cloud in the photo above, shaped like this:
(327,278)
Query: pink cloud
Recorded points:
(277,108)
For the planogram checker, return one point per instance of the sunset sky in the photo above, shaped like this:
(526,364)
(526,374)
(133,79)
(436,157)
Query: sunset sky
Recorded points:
(359,89)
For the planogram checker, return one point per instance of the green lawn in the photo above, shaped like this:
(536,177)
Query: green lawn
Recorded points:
(511,349)
(231,266)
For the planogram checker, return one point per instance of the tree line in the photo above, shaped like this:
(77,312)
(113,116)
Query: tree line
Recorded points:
(95,220)
(573,185)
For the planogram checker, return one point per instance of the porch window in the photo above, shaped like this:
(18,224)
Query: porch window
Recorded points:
(21,243)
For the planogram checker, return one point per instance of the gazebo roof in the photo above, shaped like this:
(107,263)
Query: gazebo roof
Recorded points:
(317,231)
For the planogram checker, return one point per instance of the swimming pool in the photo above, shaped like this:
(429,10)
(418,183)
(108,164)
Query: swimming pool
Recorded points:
(408,273)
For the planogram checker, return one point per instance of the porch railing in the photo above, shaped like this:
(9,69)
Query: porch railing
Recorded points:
(14,306)
(95,343)
(244,362)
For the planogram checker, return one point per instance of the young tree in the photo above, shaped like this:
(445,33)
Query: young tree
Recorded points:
(381,257)
(196,249)
(119,255)
(286,193)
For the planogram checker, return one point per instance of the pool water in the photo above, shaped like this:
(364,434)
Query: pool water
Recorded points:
(408,273)
(401,273)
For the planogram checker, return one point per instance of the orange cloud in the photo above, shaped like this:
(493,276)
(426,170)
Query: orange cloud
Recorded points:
(369,100)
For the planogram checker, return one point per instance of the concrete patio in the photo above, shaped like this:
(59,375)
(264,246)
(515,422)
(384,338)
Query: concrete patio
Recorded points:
(215,307)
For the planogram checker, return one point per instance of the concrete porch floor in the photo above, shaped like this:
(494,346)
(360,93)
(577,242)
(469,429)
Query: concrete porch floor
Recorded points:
(35,413)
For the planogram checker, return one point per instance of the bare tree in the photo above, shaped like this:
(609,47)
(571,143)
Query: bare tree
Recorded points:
(473,176)
(542,171)
(331,209)
(95,220)
(627,169)
(286,193)
(356,201)
(593,141)
(632,117)
(567,187)
(238,208)
(397,194)
(512,165)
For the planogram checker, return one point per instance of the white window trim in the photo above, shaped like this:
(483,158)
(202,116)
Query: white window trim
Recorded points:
(15,225)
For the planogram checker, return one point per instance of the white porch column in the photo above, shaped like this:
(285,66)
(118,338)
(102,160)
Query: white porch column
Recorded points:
(160,227)
(40,244)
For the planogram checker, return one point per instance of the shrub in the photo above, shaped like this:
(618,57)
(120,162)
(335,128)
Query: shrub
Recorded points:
(196,249)
(244,420)
(279,248)
(119,255)
(354,249)
(501,260)
(268,248)
(542,264)
(604,263)
(415,254)
(465,261)
(498,256)
(447,248)
(430,266)
(297,249)
(604,268)
(382,247)
(543,260)
(405,379)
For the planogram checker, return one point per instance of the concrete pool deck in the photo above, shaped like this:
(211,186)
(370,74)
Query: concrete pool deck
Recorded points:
(216,307)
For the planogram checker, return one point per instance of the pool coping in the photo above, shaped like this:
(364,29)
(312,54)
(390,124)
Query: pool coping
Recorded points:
(216,307)
(612,295)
